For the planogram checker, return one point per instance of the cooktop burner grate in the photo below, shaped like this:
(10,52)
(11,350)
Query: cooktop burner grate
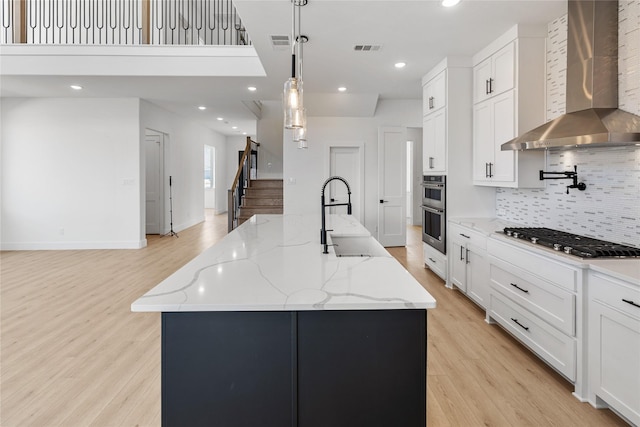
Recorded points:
(585,247)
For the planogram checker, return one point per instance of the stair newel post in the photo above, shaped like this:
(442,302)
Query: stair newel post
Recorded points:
(231,210)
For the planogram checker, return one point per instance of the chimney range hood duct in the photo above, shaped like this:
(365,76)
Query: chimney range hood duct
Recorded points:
(593,118)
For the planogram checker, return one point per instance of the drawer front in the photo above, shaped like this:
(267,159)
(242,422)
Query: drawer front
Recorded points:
(613,292)
(549,302)
(551,345)
(435,261)
(466,235)
(549,269)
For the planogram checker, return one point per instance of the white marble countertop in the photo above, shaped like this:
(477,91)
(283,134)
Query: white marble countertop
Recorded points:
(486,226)
(627,269)
(275,263)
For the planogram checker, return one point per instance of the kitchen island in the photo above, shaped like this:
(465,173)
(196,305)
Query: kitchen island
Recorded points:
(262,329)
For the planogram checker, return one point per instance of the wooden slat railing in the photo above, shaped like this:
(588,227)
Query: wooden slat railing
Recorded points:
(122,22)
(240,183)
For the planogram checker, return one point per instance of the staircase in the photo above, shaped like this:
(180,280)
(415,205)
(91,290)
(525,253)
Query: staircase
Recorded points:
(263,196)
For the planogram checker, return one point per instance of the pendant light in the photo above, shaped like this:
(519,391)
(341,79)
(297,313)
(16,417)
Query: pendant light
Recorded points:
(300,134)
(293,105)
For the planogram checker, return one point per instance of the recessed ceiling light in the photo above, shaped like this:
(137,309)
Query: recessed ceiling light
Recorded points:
(400,64)
(252,88)
(202,107)
(76,87)
(244,133)
(234,127)
(342,88)
(219,118)
(449,3)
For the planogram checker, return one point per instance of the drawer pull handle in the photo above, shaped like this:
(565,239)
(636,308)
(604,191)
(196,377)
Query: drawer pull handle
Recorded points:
(630,302)
(466,255)
(465,236)
(518,287)
(461,256)
(432,260)
(520,324)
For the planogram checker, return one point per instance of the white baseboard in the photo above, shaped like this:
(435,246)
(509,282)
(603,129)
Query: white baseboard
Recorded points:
(55,246)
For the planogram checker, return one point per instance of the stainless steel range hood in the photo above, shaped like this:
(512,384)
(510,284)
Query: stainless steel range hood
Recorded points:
(593,117)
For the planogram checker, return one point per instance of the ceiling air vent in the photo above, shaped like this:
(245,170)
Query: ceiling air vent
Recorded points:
(366,47)
(280,42)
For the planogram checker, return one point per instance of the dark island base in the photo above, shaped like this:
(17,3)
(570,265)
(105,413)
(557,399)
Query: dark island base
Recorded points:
(298,369)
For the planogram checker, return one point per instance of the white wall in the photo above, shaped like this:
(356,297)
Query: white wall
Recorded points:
(270,134)
(73,173)
(184,159)
(308,168)
(70,173)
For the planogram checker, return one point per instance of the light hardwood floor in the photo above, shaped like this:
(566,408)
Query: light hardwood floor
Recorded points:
(73,354)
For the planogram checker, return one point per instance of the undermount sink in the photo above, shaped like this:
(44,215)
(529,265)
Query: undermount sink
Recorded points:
(357,246)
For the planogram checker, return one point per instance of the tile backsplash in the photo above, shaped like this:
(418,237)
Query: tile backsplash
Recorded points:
(609,208)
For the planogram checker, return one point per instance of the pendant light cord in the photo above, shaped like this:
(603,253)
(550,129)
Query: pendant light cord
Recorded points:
(293,38)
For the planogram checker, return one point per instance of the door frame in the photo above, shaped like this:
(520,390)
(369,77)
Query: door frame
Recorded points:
(327,168)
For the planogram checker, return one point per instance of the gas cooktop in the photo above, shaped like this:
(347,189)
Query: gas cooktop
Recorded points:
(584,247)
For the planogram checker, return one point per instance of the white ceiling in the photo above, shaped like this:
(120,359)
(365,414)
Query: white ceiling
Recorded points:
(419,32)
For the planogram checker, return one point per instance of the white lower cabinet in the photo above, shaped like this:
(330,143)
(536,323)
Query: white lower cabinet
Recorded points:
(468,265)
(554,347)
(435,260)
(614,345)
(538,299)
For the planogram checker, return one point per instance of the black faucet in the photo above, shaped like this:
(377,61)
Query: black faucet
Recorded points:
(567,175)
(323,230)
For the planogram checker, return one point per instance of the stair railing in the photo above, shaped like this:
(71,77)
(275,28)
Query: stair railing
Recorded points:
(241,182)
(122,22)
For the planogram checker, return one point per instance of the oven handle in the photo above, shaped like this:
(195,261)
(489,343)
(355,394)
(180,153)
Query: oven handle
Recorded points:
(433,210)
(438,186)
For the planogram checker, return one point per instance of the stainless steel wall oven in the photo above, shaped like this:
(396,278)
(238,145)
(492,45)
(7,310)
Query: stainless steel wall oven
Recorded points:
(434,220)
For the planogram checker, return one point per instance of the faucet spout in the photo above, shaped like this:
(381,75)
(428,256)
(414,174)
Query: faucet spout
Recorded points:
(323,230)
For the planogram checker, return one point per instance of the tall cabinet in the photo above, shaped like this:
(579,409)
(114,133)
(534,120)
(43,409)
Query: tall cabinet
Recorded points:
(447,143)
(508,99)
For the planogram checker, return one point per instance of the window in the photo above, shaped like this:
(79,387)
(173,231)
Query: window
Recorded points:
(209,163)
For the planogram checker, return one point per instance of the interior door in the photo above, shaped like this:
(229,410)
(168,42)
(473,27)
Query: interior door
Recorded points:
(153,186)
(392,218)
(345,162)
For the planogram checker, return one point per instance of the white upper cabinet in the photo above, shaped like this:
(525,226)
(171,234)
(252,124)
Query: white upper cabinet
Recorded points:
(495,74)
(446,121)
(509,92)
(434,136)
(434,94)
(493,121)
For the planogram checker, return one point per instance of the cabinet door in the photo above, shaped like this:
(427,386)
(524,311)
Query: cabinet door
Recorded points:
(361,368)
(434,94)
(481,76)
(614,356)
(225,368)
(428,144)
(434,140)
(503,74)
(438,91)
(458,265)
(478,276)
(503,164)
(483,147)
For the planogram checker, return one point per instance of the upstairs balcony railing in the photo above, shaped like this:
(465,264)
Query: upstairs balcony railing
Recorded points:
(122,22)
